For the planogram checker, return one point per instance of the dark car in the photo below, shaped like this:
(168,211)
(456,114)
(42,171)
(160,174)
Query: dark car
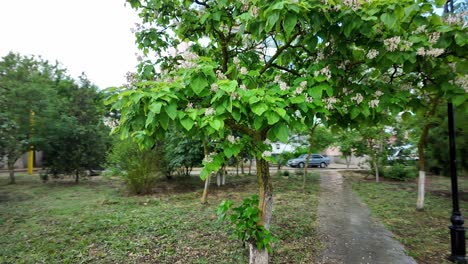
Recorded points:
(314,160)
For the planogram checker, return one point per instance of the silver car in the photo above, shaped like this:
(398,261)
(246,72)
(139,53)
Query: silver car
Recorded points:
(314,160)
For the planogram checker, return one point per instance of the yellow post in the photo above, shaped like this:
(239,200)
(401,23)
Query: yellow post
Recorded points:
(31,148)
(31,160)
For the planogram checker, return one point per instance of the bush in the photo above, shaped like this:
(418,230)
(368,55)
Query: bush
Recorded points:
(140,169)
(400,172)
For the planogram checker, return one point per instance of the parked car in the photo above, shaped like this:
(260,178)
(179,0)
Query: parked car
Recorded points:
(314,160)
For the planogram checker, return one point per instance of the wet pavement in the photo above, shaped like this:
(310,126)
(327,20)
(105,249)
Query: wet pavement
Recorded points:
(347,231)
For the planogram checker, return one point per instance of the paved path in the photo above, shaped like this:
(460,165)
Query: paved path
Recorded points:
(347,232)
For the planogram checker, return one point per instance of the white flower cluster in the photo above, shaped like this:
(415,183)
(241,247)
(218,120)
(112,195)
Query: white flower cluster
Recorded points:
(372,54)
(220,75)
(343,65)
(329,102)
(210,111)
(358,98)
(308,99)
(244,71)
(209,158)
(243,87)
(353,4)
(214,87)
(283,86)
(131,77)
(232,139)
(325,71)
(374,103)
(235,96)
(420,29)
(453,66)
(430,52)
(189,60)
(405,45)
(297,114)
(267,142)
(346,91)
(236,61)
(391,44)
(254,11)
(378,93)
(434,37)
(320,56)
(406,87)
(266,153)
(462,82)
(189,105)
(456,19)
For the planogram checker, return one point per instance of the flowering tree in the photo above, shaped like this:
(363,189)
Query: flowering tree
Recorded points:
(262,68)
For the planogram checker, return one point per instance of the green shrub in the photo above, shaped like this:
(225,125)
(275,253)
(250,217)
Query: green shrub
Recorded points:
(140,169)
(400,172)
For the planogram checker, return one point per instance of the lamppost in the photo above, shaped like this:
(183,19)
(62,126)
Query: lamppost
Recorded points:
(457,230)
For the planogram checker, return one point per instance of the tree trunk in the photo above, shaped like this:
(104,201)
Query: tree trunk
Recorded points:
(223,177)
(237,167)
(218,178)
(348,161)
(204,199)
(11,169)
(265,205)
(309,153)
(242,166)
(77,177)
(370,141)
(250,166)
(422,161)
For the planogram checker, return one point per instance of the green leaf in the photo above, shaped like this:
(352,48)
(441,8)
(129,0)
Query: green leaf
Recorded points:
(227,85)
(228,152)
(289,23)
(272,118)
(187,123)
(388,19)
(281,132)
(271,21)
(164,121)
(198,84)
(281,112)
(259,108)
(171,110)
(216,124)
(458,100)
(355,112)
(155,107)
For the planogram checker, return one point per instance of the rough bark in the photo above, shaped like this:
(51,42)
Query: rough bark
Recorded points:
(77,177)
(204,199)
(370,141)
(348,161)
(265,206)
(223,176)
(218,178)
(309,153)
(422,161)
(11,170)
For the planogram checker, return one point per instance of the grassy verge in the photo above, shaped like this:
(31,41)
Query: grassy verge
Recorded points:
(95,222)
(425,234)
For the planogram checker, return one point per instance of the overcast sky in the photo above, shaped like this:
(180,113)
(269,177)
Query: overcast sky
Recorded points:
(91,36)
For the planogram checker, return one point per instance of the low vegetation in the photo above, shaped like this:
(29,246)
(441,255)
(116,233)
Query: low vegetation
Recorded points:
(97,222)
(425,234)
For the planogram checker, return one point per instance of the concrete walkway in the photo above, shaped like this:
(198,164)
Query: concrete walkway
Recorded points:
(347,231)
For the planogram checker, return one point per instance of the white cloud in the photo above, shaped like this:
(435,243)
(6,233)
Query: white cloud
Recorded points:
(84,35)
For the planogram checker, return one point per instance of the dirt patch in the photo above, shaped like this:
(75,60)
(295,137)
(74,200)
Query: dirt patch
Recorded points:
(17,197)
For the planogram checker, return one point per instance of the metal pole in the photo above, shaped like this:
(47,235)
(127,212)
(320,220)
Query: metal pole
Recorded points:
(457,231)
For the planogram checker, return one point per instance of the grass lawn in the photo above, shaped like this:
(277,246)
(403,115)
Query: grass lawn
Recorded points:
(96,222)
(425,234)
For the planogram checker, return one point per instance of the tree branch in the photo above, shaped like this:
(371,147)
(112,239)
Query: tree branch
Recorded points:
(278,53)
(285,69)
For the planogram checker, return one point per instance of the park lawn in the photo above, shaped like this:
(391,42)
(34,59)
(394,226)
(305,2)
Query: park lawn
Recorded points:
(424,234)
(96,222)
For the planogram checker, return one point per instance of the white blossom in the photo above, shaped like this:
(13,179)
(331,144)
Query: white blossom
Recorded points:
(283,86)
(358,98)
(244,70)
(236,61)
(298,114)
(372,54)
(214,87)
(329,102)
(231,139)
(298,91)
(453,66)
(221,75)
(243,87)
(420,29)
(391,44)
(462,82)
(303,84)
(378,93)
(266,153)
(277,79)
(209,111)
(374,103)
(189,105)
(421,52)
(267,142)
(235,96)
(308,99)
(405,45)
(255,11)
(434,37)
(209,158)
(434,52)
(353,4)
(325,71)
